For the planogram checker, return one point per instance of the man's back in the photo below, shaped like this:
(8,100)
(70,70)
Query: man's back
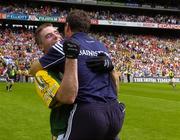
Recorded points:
(92,86)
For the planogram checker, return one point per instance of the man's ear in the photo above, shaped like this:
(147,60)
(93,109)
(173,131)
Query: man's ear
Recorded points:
(68,30)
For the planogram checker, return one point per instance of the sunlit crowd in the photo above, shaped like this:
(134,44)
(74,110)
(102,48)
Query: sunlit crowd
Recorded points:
(141,55)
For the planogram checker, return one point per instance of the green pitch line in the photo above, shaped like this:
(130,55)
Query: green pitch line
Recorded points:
(152,113)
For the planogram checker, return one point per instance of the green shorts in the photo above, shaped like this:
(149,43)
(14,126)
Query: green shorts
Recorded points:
(59,119)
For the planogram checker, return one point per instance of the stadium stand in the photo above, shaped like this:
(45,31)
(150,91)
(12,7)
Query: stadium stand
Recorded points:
(47,10)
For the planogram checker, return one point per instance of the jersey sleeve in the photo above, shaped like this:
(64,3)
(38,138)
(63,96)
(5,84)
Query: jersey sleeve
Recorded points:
(54,57)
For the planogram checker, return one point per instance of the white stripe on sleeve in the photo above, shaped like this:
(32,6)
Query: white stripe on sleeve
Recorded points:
(58,47)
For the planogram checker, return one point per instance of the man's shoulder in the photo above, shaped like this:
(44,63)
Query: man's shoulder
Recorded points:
(55,56)
(57,47)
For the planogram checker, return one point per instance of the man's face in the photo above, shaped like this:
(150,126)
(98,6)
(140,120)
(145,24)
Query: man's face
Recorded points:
(49,36)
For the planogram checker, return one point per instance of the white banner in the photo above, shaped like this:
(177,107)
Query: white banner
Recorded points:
(120,23)
(155,79)
(138,24)
(169,26)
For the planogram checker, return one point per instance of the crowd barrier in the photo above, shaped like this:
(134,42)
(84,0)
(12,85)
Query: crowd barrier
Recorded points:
(132,79)
(27,17)
(30,79)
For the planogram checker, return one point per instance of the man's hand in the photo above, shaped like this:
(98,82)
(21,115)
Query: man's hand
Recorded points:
(100,63)
(71,49)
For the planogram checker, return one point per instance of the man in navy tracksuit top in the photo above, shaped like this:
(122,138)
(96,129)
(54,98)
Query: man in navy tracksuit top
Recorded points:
(96,114)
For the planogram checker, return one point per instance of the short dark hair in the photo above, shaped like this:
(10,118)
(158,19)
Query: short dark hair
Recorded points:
(38,31)
(79,21)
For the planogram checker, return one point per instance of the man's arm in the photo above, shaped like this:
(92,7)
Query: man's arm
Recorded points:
(115,77)
(55,56)
(67,92)
(100,64)
(69,86)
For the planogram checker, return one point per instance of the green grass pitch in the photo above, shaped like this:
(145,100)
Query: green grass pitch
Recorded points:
(152,112)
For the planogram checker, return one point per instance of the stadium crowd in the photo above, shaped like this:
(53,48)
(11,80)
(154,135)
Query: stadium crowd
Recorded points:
(18,50)
(141,55)
(41,10)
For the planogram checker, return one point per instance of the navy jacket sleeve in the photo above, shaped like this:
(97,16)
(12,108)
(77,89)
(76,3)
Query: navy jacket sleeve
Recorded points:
(54,57)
